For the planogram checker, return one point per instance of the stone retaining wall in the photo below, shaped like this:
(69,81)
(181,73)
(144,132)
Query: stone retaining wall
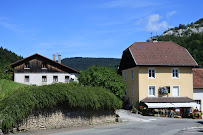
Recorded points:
(63,119)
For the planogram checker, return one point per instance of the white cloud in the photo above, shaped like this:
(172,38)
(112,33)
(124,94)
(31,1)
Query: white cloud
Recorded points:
(171,13)
(154,24)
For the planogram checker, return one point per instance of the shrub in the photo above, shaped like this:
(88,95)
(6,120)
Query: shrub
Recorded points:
(19,104)
(103,77)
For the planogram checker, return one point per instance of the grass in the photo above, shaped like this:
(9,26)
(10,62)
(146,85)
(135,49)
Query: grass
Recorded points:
(8,86)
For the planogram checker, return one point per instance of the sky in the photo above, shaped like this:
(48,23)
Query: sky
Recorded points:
(88,28)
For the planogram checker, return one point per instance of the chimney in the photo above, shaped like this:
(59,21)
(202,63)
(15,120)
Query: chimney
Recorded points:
(59,58)
(53,57)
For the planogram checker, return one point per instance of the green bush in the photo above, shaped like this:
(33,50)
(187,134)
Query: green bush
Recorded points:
(17,105)
(103,77)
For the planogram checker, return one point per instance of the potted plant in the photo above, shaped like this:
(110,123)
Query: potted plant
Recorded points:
(134,110)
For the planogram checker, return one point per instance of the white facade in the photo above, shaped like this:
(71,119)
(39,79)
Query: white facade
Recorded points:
(36,78)
(198,95)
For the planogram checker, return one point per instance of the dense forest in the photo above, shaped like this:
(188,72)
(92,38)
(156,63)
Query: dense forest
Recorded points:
(82,63)
(8,57)
(193,42)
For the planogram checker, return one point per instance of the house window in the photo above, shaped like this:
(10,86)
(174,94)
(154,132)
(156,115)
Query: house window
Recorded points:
(132,91)
(132,75)
(151,90)
(125,76)
(176,91)
(44,78)
(26,66)
(27,79)
(151,72)
(71,80)
(66,78)
(55,78)
(175,73)
(198,102)
(125,91)
(44,66)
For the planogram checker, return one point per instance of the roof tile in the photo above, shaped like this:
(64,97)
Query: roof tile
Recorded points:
(161,53)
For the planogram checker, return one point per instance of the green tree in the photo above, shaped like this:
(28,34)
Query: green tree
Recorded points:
(6,73)
(103,77)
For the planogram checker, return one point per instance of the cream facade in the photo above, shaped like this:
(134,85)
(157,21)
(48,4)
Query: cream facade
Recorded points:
(144,85)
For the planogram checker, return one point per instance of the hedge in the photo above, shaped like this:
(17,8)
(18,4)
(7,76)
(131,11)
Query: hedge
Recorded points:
(19,104)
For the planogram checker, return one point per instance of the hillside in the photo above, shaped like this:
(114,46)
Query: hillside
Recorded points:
(82,63)
(192,41)
(7,57)
(186,30)
(7,86)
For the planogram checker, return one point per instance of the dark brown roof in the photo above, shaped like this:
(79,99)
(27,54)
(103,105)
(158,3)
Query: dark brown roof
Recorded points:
(166,99)
(161,53)
(197,77)
(52,61)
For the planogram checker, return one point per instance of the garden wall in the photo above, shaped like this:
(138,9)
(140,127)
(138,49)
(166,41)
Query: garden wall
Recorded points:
(49,119)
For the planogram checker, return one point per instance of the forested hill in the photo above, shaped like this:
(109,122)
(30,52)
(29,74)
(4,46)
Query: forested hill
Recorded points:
(7,57)
(193,41)
(82,63)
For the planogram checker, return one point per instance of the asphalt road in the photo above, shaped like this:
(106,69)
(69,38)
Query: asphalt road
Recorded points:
(137,125)
(140,125)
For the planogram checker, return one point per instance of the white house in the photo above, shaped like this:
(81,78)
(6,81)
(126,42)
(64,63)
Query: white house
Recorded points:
(198,86)
(39,70)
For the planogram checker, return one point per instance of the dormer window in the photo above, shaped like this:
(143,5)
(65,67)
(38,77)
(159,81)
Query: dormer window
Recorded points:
(27,66)
(44,66)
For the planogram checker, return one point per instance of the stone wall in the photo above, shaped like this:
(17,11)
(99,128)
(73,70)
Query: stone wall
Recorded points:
(49,119)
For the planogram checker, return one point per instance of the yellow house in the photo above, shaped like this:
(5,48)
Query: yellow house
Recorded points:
(158,72)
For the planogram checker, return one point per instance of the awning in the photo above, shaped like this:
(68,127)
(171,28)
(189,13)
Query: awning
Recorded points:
(159,105)
(191,104)
(173,105)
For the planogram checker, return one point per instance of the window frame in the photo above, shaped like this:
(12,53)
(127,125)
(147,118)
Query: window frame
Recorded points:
(132,74)
(132,91)
(178,89)
(45,77)
(151,73)
(125,75)
(68,78)
(25,78)
(154,90)
(54,79)
(27,65)
(178,73)
(44,66)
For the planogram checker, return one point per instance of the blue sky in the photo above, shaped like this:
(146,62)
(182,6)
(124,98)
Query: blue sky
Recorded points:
(88,28)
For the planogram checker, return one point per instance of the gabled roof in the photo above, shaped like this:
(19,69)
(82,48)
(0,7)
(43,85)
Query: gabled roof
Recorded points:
(166,99)
(160,53)
(197,77)
(71,70)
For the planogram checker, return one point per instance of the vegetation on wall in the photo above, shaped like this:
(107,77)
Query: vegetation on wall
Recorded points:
(103,77)
(82,63)
(193,43)
(18,104)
